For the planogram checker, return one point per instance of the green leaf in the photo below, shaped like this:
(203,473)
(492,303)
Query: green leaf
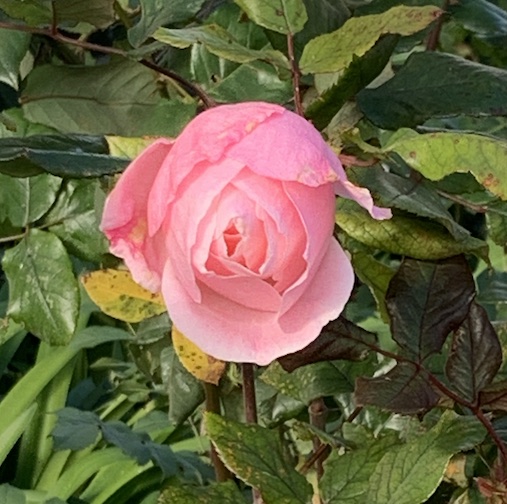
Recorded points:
(480,16)
(308,382)
(334,51)
(403,235)
(8,329)
(220,43)
(414,196)
(225,493)
(13,47)
(436,155)
(475,356)
(75,220)
(14,124)
(428,300)
(420,90)
(75,429)
(411,473)
(256,456)
(340,339)
(44,294)
(281,16)
(357,75)
(99,13)
(185,391)
(346,475)
(121,98)
(255,81)
(25,200)
(61,155)
(496,219)
(157,13)
(12,495)
(32,12)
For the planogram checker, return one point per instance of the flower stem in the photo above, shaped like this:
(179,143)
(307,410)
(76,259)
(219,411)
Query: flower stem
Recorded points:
(296,75)
(250,405)
(213,405)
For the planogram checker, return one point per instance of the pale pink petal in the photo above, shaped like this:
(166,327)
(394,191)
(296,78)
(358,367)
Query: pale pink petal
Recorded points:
(201,143)
(363,197)
(125,218)
(288,147)
(232,332)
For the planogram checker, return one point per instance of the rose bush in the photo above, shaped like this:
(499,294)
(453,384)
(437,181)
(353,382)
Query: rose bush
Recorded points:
(233,223)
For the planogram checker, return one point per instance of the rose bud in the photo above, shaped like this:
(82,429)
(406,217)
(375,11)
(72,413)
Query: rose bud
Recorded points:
(233,223)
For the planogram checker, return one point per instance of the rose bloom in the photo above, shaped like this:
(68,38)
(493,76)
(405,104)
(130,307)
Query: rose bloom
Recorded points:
(233,223)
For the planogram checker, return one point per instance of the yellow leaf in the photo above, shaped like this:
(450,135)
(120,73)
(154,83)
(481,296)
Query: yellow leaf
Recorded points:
(128,147)
(201,365)
(117,295)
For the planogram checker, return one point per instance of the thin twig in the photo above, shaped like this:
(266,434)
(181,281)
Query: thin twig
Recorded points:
(296,74)
(464,202)
(249,401)
(190,87)
(318,413)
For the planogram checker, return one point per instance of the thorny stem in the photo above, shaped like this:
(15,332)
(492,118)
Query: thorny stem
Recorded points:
(213,405)
(53,33)
(296,74)
(434,36)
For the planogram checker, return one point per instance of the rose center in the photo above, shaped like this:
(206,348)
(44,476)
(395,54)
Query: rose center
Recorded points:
(232,237)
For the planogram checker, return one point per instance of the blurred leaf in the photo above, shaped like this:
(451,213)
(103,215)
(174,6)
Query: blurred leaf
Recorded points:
(219,42)
(225,493)
(480,16)
(492,286)
(308,382)
(496,218)
(12,495)
(185,391)
(428,300)
(346,475)
(203,366)
(61,155)
(25,200)
(256,455)
(403,235)
(436,155)
(14,124)
(251,82)
(117,294)
(378,6)
(32,12)
(157,13)
(376,275)
(420,90)
(414,196)
(75,429)
(99,13)
(13,47)
(74,220)
(493,397)
(44,295)
(340,339)
(128,147)
(121,98)
(411,473)
(8,329)
(281,16)
(402,390)
(475,356)
(334,51)
(357,75)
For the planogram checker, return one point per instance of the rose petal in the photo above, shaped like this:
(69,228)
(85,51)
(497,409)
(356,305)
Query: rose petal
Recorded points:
(232,332)
(125,219)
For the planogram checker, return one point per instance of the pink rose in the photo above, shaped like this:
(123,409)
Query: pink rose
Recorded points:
(233,222)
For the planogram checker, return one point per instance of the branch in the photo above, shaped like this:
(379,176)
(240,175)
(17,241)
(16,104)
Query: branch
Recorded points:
(52,33)
(296,74)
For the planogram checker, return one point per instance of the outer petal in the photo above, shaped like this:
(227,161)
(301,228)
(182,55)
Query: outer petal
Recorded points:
(232,332)
(125,217)
(363,197)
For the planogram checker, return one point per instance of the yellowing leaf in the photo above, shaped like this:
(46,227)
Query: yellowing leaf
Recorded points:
(128,147)
(334,51)
(117,295)
(201,365)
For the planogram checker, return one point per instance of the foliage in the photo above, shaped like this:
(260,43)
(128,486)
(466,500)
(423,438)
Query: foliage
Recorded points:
(402,399)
